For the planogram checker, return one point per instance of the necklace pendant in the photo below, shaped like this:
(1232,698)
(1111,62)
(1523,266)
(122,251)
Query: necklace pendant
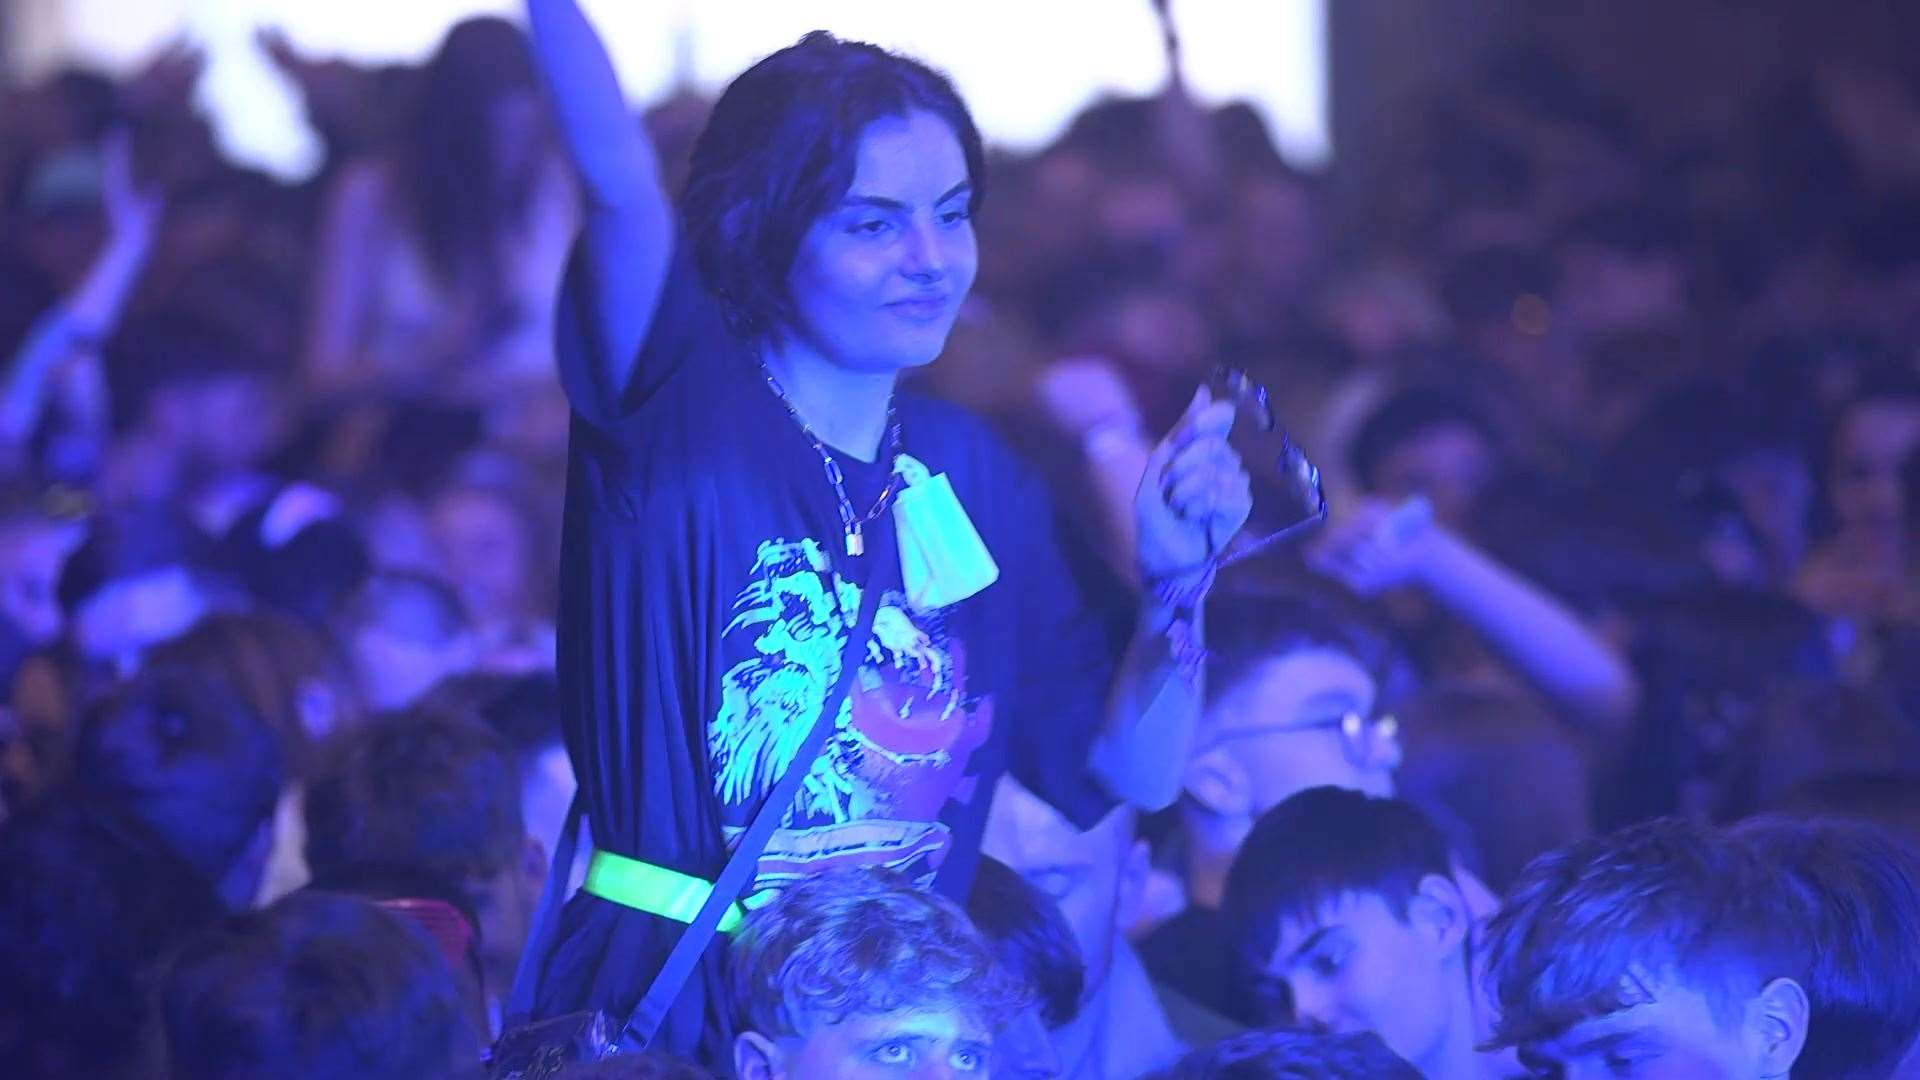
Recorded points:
(856,544)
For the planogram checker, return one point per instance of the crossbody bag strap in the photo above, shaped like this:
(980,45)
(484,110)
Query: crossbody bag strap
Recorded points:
(546,917)
(647,1016)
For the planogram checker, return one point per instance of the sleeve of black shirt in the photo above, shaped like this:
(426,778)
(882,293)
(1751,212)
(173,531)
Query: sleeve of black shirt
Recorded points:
(685,319)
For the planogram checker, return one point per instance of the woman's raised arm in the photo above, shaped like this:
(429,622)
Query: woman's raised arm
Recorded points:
(628,238)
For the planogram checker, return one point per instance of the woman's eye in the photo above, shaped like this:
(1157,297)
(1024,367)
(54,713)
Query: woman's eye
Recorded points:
(871,228)
(1621,1065)
(1326,965)
(955,217)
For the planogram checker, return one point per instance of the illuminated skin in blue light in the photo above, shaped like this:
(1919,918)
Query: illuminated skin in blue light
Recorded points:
(1357,966)
(923,1043)
(878,279)
(1674,1035)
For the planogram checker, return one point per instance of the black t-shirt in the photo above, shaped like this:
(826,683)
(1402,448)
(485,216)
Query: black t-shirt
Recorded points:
(1192,953)
(698,635)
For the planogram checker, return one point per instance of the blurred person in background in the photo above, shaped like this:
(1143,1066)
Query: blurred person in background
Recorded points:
(142,576)
(430,795)
(524,710)
(488,539)
(35,541)
(315,986)
(292,676)
(54,406)
(1501,777)
(180,753)
(87,910)
(403,632)
(197,417)
(1862,569)
(439,257)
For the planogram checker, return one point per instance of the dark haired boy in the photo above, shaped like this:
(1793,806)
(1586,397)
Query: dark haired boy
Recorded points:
(1859,891)
(1292,1055)
(1346,905)
(1663,950)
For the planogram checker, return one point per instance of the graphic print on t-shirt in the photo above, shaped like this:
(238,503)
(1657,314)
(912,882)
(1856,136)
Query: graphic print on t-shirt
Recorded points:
(901,743)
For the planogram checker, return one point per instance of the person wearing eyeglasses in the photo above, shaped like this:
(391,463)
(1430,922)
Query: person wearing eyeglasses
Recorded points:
(1290,705)
(1293,703)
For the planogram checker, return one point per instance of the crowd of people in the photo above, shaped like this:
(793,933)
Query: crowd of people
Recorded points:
(1581,739)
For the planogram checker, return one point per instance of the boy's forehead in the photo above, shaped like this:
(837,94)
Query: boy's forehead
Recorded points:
(942,1023)
(1358,911)
(1650,1003)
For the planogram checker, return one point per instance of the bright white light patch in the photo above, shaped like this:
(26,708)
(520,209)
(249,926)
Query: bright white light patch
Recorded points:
(1025,66)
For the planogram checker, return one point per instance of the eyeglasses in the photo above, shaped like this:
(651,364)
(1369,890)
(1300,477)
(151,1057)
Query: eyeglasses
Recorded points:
(1285,483)
(1362,738)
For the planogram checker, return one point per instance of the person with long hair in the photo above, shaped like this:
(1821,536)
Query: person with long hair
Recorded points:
(439,258)
(744,468)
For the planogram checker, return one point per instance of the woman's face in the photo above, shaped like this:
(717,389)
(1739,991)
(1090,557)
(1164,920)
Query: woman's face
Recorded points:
(879,278)
(1873,444)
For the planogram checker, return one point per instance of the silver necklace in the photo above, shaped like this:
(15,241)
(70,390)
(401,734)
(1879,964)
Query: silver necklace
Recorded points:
(851,524)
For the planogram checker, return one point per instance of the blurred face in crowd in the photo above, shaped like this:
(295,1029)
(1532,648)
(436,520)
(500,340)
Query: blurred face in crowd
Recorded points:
(36,733)
(127,615)
(1093,876)
(503,905)
(31,554)
(1285,729)
(1874,442)
(1358,966)
(238,421)
(1676,1033)
(878,279)
(1450,464)
(483,545)
(931,1043)
(394,668)
(1606,290)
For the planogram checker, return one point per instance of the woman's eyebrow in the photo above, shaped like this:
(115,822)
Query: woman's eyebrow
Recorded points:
(883,203)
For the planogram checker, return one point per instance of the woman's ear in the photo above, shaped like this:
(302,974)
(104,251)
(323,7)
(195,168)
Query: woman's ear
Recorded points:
(1777,1026)
(756,1057)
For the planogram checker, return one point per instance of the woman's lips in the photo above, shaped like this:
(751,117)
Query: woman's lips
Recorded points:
(923,309)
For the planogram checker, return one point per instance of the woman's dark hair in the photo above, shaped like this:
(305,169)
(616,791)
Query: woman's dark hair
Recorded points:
(181,749)
(86,908)
(780,150)
(448,168)
(317,985)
